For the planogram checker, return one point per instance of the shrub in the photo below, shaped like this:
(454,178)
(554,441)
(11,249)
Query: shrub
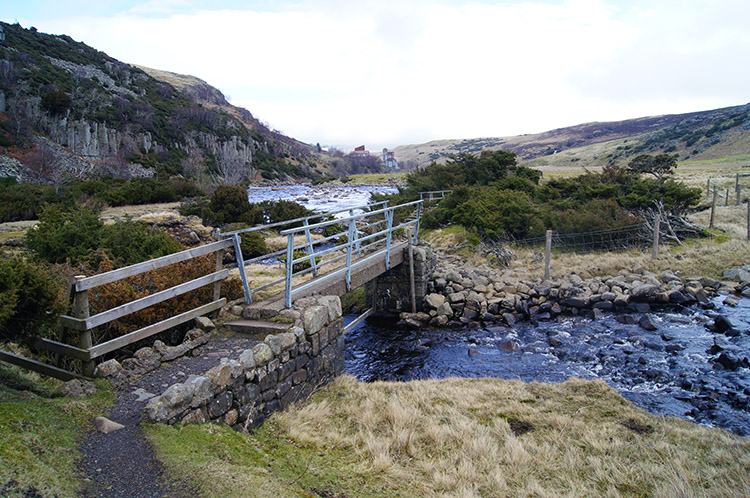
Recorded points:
(252,245)
(31,297)
(79,237)
(62,235)
(302,265)
(228,204)
(130,242)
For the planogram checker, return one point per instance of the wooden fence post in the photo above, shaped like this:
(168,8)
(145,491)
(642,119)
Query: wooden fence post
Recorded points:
(737,190)
(547,255)
(81,310)
(713,208)
(727,199)
(657,229)
(748,219)
(708,188)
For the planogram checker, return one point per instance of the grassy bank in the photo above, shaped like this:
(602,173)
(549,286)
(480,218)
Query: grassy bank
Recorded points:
(39,435)
(460,438)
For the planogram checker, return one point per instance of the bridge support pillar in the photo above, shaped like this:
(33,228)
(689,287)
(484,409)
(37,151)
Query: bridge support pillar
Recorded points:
(392,290)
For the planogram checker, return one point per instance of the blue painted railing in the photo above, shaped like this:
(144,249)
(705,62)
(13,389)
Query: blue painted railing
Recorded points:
(358,248)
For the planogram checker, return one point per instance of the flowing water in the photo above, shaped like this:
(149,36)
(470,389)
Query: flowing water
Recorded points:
(669,371)
(320,199)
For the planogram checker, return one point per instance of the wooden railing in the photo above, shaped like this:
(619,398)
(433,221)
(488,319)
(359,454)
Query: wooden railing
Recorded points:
(83,323)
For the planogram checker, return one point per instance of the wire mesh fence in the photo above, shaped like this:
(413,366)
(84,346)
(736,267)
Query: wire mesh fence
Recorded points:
(611,239)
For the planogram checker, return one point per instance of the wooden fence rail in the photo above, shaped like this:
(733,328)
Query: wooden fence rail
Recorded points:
(83,323)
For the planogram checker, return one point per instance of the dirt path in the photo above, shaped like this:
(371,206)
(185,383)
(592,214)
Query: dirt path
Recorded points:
(122,464)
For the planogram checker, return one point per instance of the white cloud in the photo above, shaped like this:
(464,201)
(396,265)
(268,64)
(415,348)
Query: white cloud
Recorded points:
(385,73)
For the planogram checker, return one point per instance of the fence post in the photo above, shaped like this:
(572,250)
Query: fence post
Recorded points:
(708,188)
(713,209)
(657,228)
(727,198)
(748,219)
(81,310)
(547,255)
(737,189)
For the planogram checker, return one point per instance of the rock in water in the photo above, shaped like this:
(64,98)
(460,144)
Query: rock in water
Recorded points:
(105,425)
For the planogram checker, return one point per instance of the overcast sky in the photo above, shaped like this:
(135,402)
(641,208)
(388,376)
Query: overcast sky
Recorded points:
(386,73)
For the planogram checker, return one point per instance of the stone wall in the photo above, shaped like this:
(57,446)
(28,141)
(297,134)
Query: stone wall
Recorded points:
(280,370)
(393,288)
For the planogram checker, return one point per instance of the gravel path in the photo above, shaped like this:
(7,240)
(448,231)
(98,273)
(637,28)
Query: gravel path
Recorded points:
(122,464)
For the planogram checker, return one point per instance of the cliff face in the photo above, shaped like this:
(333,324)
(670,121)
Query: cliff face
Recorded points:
(78,104)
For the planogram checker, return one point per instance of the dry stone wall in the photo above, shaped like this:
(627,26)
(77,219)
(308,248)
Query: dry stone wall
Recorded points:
(273,374)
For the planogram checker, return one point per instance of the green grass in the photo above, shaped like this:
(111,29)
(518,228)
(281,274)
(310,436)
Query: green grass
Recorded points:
(459,438)
(39,435)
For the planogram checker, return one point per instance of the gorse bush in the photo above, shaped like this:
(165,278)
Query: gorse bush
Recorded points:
(31,297)
(498,199)
(25,201)
(78,236)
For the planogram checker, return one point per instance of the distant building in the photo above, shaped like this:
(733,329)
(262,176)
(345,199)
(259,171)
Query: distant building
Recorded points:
(389,159)
(360,151)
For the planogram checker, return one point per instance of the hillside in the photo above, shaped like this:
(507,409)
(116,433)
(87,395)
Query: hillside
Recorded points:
(715,135)
(69,110)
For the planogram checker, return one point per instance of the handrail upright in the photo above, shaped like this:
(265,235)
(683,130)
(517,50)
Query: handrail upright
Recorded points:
(352,231)
(310,249)
(289,267)
(388,237)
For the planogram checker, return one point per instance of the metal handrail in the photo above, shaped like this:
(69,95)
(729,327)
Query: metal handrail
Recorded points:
(352,245)
(434,194)
(241,263)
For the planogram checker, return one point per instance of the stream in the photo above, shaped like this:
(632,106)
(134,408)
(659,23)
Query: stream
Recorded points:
(670,371)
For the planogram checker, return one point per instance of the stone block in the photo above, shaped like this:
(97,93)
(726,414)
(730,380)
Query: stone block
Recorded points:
(203,389)
(220,404)
(197,416)
(231,417)
(313,318)
(247,360)
(333,305)
(262,354)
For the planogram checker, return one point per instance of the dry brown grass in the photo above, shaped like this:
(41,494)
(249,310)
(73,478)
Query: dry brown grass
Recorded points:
(467,438)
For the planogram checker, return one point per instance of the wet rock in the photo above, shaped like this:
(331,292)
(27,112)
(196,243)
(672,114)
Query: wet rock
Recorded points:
(473,352)
(722,324)
(674,348)
(554,342)
(509,346)
(648,322)
(732,301)
(728,360)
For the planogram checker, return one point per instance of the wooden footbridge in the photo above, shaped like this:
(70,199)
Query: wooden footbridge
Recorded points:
(326,254)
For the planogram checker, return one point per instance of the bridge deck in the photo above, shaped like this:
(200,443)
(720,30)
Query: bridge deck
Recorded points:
(360,275)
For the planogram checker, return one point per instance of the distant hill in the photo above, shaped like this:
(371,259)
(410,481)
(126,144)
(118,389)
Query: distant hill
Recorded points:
(69,110)
(715,135)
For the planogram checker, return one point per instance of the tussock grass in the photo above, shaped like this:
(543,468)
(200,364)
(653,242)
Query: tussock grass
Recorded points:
(460,438)
(39,435)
